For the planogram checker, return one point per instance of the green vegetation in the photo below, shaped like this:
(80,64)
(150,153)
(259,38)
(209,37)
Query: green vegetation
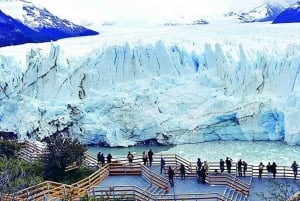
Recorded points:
(16,174)
(9,149)
(61,152)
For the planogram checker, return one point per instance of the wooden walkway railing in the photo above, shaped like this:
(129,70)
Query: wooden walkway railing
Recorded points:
(53,190)
(229,180)
(138,194)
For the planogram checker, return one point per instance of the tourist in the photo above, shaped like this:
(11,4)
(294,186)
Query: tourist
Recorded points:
(182,171)
(228,164)
(205,165)
(150,156)
(162,164)
(199,164)
(203,174)
(260,169)
(269,169)
(244,168)
(171,176)
(199,174)
(294,166)
(102,159)
(108,158)
(99,157)
(239,167)
(273,169)
(222,165)
(130,157)
(145,158)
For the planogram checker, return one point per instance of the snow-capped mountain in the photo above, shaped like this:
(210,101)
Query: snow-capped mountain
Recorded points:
(289,15)
(35,23)
(262,13)
(14,32)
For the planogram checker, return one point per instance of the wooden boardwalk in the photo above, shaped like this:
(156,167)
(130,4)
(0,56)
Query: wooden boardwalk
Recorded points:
(154,186)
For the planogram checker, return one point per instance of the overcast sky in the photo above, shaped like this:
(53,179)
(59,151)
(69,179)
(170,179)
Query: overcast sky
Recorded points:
(143,10)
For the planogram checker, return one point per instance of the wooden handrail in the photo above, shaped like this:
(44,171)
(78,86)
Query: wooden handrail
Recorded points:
(154,178)
(229,180)
(47,187)
(140,194)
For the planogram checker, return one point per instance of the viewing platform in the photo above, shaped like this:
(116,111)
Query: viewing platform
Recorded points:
(135,181)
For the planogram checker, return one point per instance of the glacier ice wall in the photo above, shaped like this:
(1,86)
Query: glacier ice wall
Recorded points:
(126,94)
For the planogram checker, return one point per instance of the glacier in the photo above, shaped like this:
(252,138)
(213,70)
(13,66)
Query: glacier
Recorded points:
(165,85)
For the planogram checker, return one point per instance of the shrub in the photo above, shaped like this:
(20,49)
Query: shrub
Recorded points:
(9,149)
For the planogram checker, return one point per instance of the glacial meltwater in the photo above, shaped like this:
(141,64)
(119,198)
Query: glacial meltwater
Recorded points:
(252,152)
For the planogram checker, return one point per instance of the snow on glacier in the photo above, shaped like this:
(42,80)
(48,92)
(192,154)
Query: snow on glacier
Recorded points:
(171,84)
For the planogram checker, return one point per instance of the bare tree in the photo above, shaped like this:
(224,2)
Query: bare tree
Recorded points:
(279,190)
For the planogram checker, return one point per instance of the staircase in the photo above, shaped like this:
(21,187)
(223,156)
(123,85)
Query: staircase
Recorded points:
(153,191)
(30,152)
(231,194)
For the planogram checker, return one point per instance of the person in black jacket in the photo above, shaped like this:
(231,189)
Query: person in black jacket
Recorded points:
(239,167)
(203,174)
(228,164)
(244,168)
(222,165)
(150,156)
(108,158)
(171,176)
(182,171)
(273,169)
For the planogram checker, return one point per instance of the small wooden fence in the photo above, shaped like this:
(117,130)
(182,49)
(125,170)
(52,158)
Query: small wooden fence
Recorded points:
(134,193)
(52,190)
(230,181)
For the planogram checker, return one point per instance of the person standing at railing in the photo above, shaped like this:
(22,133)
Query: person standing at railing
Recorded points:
(269,170)
(182,171)
(171,176)
(222,165)
(260,169)
(239,167)
(199,163)
(295,166)
(108,158)
(99,157)
(150,155)
(244,168)
(130,157)
(228,164)
(274,169)
(162,164)
(102,159)
(202,174)
(145,158)
(205,165)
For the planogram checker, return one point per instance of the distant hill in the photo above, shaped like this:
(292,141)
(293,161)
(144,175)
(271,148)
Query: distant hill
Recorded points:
(22,22)
(262,13)
(289,15)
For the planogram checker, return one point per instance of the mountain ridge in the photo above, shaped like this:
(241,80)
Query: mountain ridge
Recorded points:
(289,15)
(26,23)
(262,13)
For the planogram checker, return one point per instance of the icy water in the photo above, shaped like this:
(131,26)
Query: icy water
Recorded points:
(252,152)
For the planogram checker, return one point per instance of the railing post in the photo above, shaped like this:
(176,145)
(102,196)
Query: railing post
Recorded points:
(284,172)
(65,192)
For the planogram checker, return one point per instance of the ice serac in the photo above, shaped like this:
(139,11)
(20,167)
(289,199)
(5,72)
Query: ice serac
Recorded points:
(121,95)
